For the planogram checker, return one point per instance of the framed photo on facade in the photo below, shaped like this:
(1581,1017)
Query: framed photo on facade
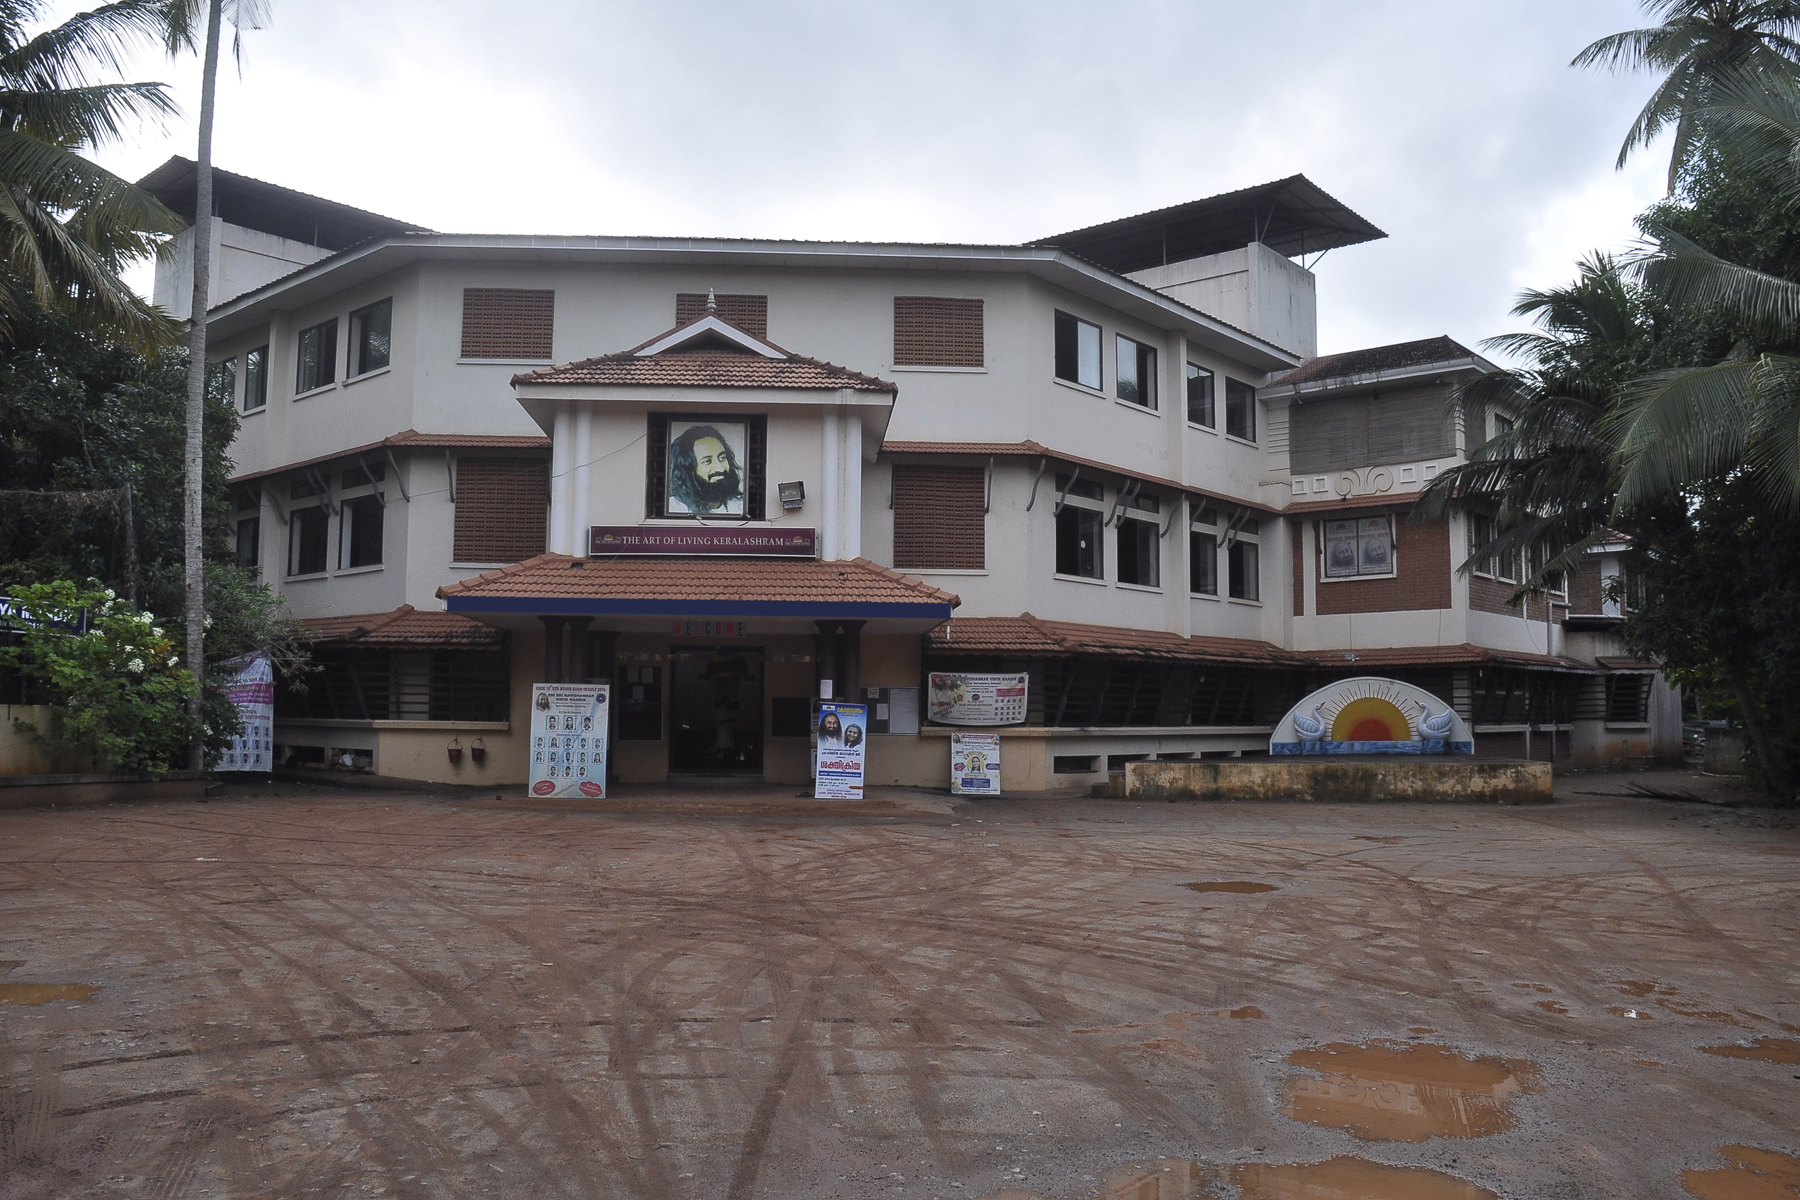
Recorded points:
(708,468)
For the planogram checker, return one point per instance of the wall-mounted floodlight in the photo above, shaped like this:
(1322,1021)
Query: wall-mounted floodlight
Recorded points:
(793,495)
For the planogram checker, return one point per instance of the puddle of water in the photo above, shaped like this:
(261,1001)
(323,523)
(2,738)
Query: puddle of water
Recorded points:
(1705,1014)
(1231,885)
(1750,1174)
(1347,1177)
(44,993)
(1772,1050)
(1631,1014)
(1553,1006)
(1406,1092)
(1644,987)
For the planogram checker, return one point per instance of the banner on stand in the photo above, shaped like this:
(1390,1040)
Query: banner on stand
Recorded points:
(252,693)
(843,733)
(568,739)
(975,764)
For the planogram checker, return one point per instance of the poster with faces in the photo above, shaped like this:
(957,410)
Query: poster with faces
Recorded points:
(707,468)
(568,739)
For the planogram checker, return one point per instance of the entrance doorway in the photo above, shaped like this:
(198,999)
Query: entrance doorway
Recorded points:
(716,711)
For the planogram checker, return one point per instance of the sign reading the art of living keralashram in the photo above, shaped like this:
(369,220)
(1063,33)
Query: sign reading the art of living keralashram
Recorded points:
(768,541)
(568,739)
(843,737)
(958,699)
(252,693)
(975,764)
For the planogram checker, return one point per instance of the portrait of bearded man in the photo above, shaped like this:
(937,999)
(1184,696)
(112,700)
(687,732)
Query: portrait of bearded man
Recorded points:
(705,474)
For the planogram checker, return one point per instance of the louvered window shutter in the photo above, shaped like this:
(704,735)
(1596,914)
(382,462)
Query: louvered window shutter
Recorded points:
(939,518)
(501,509)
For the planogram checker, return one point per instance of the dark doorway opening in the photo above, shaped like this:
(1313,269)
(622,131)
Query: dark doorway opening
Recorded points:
(716,711)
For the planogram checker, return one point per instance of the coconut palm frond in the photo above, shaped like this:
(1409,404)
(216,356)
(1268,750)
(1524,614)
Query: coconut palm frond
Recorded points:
(1685,275)
(67,55)
(87,116)
(1677,428)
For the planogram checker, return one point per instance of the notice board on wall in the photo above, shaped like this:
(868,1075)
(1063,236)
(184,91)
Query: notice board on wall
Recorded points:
(893,710)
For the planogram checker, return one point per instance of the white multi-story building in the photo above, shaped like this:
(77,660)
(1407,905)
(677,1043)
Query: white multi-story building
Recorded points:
(717,473)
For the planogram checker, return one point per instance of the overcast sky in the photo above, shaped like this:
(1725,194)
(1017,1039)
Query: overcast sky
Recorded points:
(1457,128)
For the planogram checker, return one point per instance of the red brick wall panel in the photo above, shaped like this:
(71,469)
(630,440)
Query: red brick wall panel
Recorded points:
(1421,580)
(1295,532)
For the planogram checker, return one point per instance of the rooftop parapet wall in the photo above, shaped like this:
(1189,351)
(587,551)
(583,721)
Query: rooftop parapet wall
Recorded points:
(1253,288)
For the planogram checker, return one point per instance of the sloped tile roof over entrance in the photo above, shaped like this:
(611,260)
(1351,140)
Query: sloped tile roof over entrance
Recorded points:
(405,626)
(1029,636)
(724,587)
(707,352)
(1398,357)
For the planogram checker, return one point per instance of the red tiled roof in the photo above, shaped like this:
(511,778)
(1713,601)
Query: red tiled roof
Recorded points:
(1030,449)
(412,438)
(696,586)
(1397,357)
(405,626)
(1628,664)
(1026,635)
(707,368)
(1464,654)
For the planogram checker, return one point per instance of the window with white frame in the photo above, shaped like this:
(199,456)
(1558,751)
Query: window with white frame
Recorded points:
(1358,547)
(316,361)
(256,378)
(308,540)
(359,535)
(1077,350)
(1203,552)
(1243,561)
(1078,526)
(1240,409)
(1481,532)
(1139,539)
(1199,396)
(1134,372)
(371,337)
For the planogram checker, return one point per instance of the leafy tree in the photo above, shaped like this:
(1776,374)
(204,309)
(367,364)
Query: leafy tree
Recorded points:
(1695,42)
(81,418)
(118,690)
(67,225)
(1721,611)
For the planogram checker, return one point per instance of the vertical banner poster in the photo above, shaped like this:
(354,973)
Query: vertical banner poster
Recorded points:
(568,739)
(962,699)
(843,737)
(975,764)
(252,693)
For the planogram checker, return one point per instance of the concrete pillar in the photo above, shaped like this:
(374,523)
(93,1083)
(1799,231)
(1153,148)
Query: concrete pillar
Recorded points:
(850,467)
(575,668)
(562,452)
(581,493)
(832,499)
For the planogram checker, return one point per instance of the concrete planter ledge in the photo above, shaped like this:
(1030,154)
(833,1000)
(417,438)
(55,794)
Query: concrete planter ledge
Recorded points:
(1404,779)
(38,791)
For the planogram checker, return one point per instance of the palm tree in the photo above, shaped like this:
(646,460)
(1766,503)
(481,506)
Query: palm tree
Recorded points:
(1740,417)
(181,20)
(1547,481)
(1695,42)
(67,225)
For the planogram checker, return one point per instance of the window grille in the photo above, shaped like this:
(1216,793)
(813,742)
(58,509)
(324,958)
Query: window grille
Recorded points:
(373,684)
(501,509)
(749,313)
(938,331)
(940,522)
(507,323)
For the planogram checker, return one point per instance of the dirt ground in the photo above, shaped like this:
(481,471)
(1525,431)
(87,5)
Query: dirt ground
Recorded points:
(307,991)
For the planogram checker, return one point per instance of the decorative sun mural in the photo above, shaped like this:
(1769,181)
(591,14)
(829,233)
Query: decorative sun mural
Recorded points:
(1371,715)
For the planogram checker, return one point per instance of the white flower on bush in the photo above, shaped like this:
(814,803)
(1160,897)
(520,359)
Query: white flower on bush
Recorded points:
(206,623)
(109,594)
(156,631)
(174,659)
(135,666)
